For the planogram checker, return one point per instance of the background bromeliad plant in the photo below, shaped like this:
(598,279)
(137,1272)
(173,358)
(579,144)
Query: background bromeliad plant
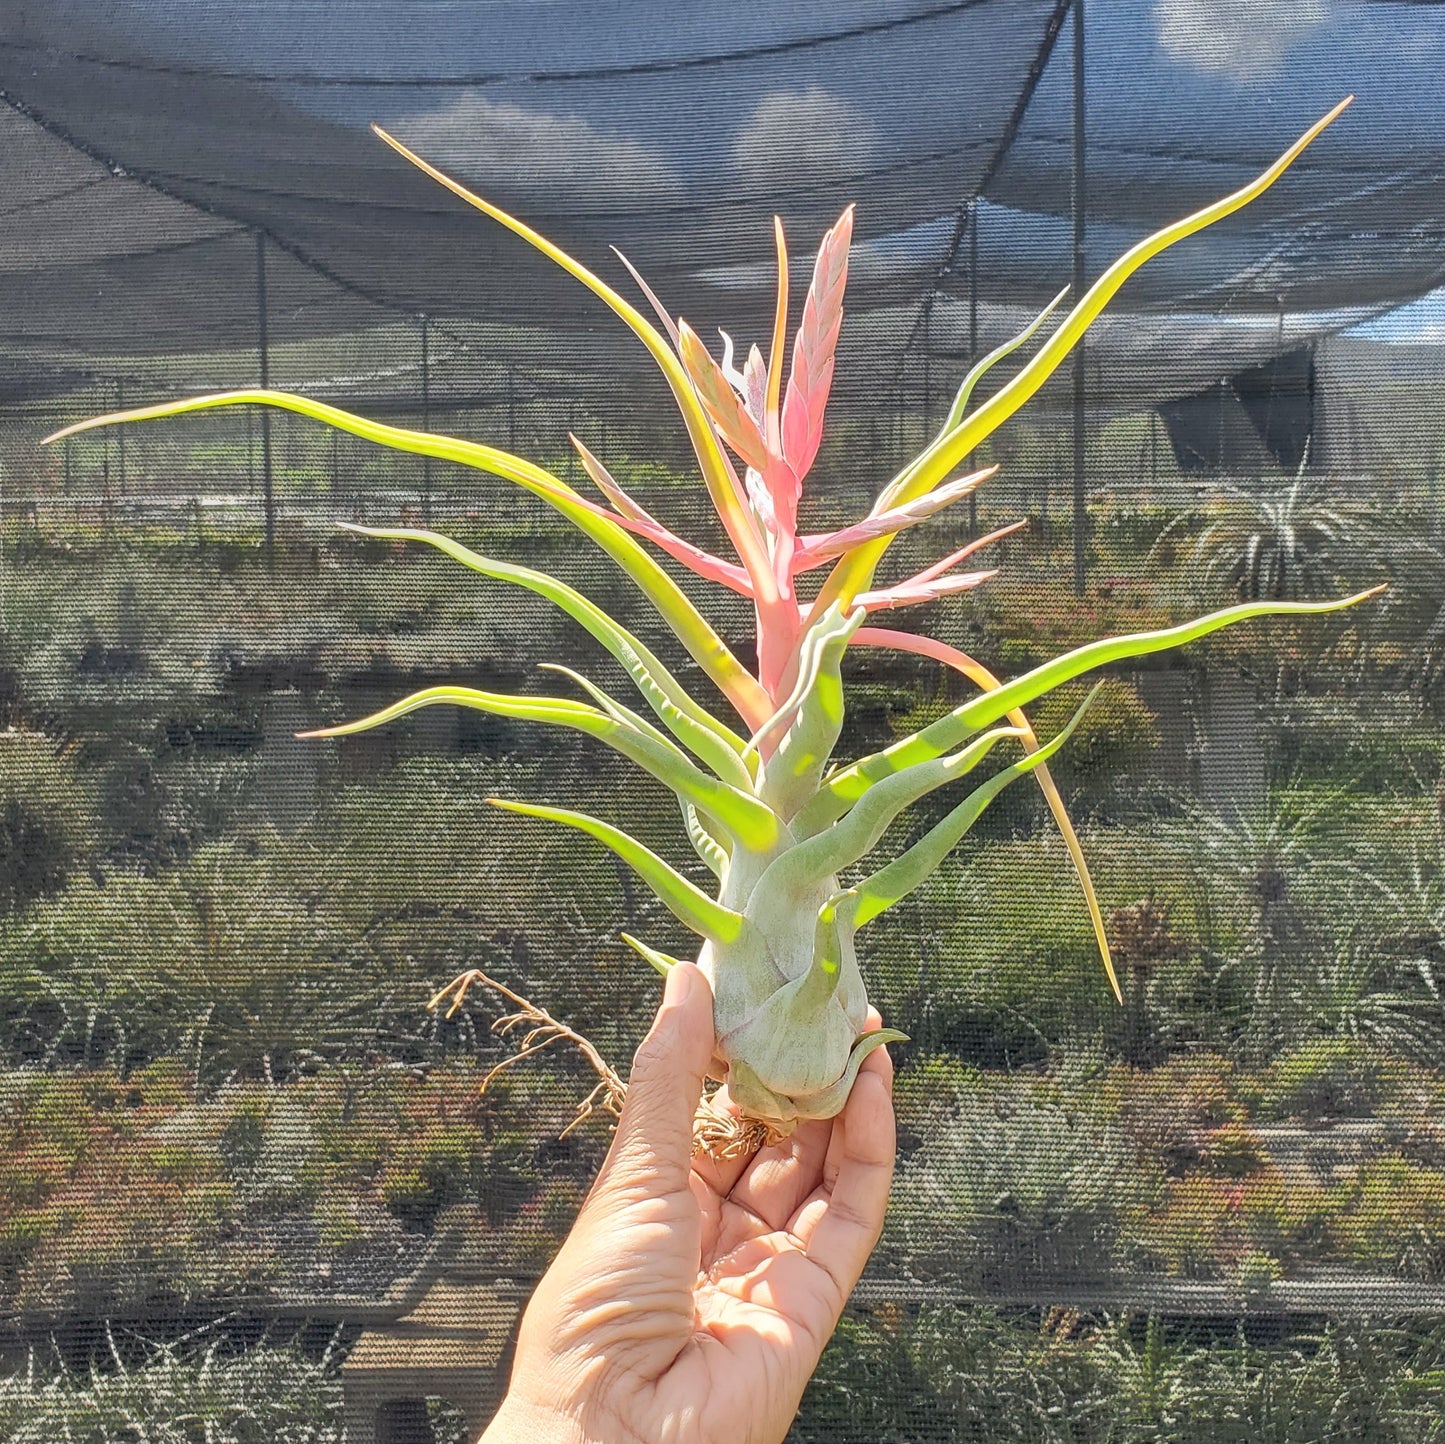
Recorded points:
(761,805)
(1286,543)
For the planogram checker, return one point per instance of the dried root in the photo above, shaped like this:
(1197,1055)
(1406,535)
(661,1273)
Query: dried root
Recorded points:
(541,1031)
(716,1132)
(722,1135)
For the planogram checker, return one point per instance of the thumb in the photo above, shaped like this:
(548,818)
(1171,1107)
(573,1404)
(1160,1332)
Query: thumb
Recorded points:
(652,1147)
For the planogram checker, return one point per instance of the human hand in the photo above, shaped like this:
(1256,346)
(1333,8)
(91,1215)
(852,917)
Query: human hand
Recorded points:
(692,1299)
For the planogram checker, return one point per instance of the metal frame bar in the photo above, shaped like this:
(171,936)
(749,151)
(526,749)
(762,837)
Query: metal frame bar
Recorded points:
(263,360)
(1079,202)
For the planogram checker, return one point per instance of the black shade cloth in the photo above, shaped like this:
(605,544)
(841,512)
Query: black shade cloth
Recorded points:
(148,140)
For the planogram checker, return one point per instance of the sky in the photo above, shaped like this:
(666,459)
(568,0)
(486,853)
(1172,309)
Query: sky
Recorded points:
(1418,323)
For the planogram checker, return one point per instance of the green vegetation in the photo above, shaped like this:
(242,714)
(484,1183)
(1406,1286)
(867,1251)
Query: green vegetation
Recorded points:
(118,1193)
(975,1374)
(176,1394)
(220,1086)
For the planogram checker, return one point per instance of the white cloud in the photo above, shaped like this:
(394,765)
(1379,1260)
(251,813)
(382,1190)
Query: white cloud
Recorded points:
(498,141)
(809,134)
(1239,38)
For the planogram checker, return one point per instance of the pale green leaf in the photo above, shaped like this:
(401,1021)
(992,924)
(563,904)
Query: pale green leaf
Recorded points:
(854,571)
(696,728)
(894,882)
(812,716)
(750,821)
(707,847)
(721,483)
(842,843)
(844,788)
(663,962)
(692,907)
(691,629)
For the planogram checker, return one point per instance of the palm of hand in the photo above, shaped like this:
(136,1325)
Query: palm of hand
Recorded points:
(774,1276)
(692,1299)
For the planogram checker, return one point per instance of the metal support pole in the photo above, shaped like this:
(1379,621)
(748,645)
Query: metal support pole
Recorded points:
(120,436)
(1274,379)
(107,513)
(1219,427)
(425,419)
(1081,515)
(973,280)
(268,498)
(972,330)
(1313,437)
(927,368)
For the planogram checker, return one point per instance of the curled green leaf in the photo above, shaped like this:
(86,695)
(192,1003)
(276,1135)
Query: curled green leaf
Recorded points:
(750,821)
(844,788)
(692,907)
(688,624)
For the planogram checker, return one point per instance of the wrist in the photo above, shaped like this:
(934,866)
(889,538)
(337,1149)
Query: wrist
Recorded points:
(518,1421)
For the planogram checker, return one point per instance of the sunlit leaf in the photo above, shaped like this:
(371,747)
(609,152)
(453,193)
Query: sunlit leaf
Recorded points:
(692,907)
(695,633)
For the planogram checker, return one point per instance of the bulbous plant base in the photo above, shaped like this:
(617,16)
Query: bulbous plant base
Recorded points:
(780,1113)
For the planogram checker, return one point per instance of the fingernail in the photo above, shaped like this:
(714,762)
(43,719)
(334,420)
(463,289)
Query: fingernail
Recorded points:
(677,987)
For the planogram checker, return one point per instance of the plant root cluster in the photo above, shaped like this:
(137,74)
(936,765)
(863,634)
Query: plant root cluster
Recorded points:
(717,1132)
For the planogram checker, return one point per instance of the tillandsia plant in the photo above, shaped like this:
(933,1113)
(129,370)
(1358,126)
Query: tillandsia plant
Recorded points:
(777,823)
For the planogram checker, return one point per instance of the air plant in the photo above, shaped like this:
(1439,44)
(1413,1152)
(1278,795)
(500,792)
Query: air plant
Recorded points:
(760,803)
